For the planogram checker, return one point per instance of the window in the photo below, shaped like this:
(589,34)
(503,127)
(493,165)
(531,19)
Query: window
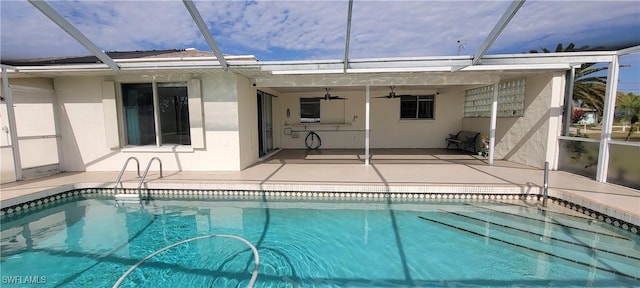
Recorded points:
(309,110)
(145,110)
(416,107)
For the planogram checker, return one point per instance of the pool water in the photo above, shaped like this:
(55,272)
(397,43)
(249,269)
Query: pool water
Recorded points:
(308,243)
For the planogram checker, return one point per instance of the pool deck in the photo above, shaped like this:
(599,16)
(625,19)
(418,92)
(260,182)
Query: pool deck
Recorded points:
(391,170)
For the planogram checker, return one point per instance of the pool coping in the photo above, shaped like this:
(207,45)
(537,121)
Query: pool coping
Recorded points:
(584,205)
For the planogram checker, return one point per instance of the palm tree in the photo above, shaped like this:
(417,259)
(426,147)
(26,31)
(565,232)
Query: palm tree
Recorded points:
(570,48)
(589,90)
(629,106)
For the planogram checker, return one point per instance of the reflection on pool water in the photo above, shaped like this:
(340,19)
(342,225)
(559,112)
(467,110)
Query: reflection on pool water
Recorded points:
(89,242)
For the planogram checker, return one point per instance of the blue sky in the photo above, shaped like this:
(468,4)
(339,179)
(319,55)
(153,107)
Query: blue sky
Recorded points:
(300,30)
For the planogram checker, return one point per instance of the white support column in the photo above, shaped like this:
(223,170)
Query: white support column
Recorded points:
(568,100)
(156,115)
(494,119)
(367,123)
(607,120)
(11,117)
(56,125)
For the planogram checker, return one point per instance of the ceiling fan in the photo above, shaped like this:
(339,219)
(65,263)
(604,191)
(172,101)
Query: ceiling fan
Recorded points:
(392,94)
(327,96)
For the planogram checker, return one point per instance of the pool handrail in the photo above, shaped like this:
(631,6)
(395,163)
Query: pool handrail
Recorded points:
(124,167)
(254,250)
(146,171)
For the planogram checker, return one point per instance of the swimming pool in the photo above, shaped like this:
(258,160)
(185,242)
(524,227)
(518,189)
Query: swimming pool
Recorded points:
(312,242)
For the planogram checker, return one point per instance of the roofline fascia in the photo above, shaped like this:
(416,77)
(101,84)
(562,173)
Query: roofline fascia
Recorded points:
(419,64)
(552,54)
(8,67)
(503,67)
(186,59)
(103,68)
(550,58)
(421,58)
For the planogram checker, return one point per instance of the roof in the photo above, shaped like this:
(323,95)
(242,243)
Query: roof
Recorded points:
(91,59)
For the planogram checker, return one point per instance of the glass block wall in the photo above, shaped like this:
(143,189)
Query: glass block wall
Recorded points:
(510,100)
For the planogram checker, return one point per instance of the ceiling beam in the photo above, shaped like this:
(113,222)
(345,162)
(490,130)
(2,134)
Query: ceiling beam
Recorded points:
(195,14)
(497,29)
(346,48)
(74,32)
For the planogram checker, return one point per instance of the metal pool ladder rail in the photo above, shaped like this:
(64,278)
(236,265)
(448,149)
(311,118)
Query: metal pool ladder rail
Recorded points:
(144,176)
(123,198)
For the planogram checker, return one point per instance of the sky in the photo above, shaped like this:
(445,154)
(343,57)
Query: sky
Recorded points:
(315,30)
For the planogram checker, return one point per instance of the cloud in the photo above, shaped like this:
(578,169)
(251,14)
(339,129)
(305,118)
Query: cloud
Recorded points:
(278,25)
(288,30)
(547,23)
(131,25)
(28,33)
(420,28)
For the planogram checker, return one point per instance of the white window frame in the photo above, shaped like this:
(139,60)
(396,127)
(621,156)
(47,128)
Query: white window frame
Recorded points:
(310,120)
(115,122)
(417,102)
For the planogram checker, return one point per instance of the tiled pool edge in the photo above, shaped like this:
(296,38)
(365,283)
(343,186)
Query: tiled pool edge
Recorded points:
(567,199)
(288,187)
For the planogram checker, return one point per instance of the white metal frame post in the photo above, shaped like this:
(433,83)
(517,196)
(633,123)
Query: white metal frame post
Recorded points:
(11,117)
(367,124)
(607,120)
(204,30)
(494,119)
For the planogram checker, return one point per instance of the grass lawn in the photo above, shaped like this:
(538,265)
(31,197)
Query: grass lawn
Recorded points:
(617,134)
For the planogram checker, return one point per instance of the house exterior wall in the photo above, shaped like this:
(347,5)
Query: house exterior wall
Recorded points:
(525,139)
(334,135)
(388,131)
(219,92)
(7,172)
(33,102)
(248,122)
(83,129)
(88,120)
(344,123)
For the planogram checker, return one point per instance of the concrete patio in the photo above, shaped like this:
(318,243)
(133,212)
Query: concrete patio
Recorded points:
(391,170)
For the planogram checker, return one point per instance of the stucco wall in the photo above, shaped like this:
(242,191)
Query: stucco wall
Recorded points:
(248,122)
(83,127)
(387,130)
(525,139)
(33,105)
(219,92)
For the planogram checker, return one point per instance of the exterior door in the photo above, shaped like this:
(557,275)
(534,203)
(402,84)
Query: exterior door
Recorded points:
(265,122)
